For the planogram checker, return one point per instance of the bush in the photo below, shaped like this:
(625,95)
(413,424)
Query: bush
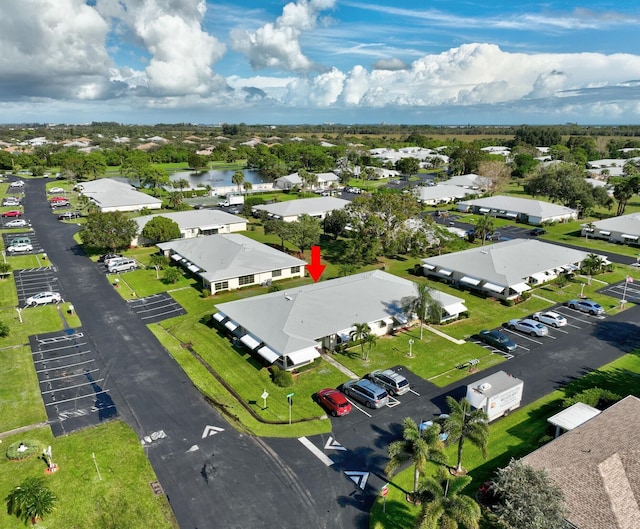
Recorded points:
(508,302)
(206,292)
(32,448)
(596,397)
(280,377)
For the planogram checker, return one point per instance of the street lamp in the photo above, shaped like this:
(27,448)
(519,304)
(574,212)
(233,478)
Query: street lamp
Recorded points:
(410,347)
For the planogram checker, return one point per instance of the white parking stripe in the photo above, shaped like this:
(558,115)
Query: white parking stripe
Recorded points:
(524,336)
(358,407)
(414,392)
(316,451)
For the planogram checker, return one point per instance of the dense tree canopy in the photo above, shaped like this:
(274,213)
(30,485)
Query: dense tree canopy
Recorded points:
(538,136)
(108,231)
(160,229)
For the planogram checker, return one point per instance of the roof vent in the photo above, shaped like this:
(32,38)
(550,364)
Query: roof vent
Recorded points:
(484,387)
(288,297)
(484,252)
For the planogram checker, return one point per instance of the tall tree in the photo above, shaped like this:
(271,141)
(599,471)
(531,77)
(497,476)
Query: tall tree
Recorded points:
(418,447)
(360,332)
(527,498)
(624,189)
(407,166)
(465,423)
(444,505)
(305,232)
(238,179)
(423,306)
(108,231)
(247,186)
(31,500)
(160,229)
(485,226)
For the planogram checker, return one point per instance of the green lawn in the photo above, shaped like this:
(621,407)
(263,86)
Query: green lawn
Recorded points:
(513,436)
(118,496)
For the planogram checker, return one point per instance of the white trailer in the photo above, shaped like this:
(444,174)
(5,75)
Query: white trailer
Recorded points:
(232,200)
(497,394)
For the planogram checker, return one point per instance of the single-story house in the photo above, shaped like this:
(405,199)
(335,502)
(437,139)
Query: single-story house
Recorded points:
(115,195)
(195,223)
(624,229)
(596,466)
(290,210)
(292,326)
(526,210)
(469,180)
(230,261)
(325,180)
(441,194)
(506,269)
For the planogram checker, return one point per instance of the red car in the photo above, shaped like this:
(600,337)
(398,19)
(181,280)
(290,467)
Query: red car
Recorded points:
(58,199)
(334,401)
(12,213)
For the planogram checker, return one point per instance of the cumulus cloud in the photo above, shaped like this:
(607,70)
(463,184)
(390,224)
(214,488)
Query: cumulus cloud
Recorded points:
(392,63)
(181,52)
(277,45)
(53,50)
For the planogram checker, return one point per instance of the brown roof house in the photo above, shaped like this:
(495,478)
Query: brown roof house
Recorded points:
(597,466)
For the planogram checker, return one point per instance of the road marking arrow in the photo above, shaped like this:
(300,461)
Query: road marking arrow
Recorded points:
(211,430)
(358,477)
(332,444)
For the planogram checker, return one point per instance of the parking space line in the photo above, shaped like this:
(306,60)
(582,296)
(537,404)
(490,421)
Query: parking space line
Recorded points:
(61,338)
(316,451)
(573,314)
(72,387)
(523,347)
(156,314)
(66,366)
(68,346)
(358,407)
(414,392)
(79,397)
(59,357)
(45,380)
(392,402)
(524,336)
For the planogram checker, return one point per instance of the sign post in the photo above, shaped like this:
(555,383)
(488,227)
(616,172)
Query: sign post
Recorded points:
(264,396)
(290,401)
(384,491)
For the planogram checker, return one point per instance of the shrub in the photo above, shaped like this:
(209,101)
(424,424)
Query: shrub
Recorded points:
(280,377)
(32,448)
(596,397)
(206,292)
(508,302)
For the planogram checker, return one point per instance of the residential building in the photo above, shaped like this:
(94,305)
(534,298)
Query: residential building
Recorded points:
(597,467)
(292,326)
(115,195)
(231,261)
(506,269)
(324,181)
(441,194)
(623,230)
(525,210)
(291,210)
(194,223)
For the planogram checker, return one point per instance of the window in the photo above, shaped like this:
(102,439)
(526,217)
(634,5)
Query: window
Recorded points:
(246,280)
(222,285)
(276,273)
(295,269)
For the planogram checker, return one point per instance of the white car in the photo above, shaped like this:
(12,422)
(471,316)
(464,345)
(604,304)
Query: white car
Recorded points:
(55,190)
(550,318)
(17,183)
(20,247)
(528,327)
(17,223)
(43,298)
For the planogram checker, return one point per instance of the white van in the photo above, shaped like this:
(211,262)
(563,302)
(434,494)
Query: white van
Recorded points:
(122,265)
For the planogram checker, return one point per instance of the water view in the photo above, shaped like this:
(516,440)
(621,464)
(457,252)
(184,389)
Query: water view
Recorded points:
(218,178)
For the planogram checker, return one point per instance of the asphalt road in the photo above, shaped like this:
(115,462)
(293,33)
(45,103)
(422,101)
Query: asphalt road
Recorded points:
(213,475)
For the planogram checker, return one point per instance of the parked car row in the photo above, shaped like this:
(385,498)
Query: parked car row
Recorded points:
(373,391)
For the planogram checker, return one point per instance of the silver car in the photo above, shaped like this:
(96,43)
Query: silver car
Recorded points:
(527,326)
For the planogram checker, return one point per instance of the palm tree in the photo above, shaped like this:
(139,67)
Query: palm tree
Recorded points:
(181,184)
(247,186)
(484,226)
(370,341)
(423,306)
(31,500)
(418,447)
(238,179)
(593,264)
(466,423)
(443,505)
(588,228)
(360,332)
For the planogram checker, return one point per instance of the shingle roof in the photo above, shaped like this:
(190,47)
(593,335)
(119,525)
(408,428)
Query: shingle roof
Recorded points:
(597,465)
(509,262)
(230,255)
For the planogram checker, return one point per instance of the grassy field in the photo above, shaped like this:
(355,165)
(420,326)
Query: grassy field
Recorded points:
(513,436)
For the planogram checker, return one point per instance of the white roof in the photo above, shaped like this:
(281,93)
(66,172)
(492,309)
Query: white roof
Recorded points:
(508,263)
(202,219)
(573,416)
(229,255)
(110,193)
(442,191)
(308,206)
(629,224)
(468,180)
(534,208)
(294,319)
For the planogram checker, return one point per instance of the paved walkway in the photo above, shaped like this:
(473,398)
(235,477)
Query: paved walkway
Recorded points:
(23,429)
(340,367)
(445,336)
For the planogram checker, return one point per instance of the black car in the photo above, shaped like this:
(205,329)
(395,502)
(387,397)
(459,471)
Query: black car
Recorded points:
(537,231)
(498,340)
(67,215)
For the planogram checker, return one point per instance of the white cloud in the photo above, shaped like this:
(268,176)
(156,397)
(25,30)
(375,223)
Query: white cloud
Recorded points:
(277,45)
(182,53)
(52,49)
(392,63)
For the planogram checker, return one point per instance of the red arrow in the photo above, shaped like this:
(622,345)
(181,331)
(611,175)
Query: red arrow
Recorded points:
(315,268)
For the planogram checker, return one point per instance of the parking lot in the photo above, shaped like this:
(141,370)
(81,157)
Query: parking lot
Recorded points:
(71,383)
(34,280)
(8,237)
(578,323)
(156,308)
(627,290)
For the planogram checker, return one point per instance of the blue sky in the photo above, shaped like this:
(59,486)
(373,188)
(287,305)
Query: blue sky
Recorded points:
(314,61)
